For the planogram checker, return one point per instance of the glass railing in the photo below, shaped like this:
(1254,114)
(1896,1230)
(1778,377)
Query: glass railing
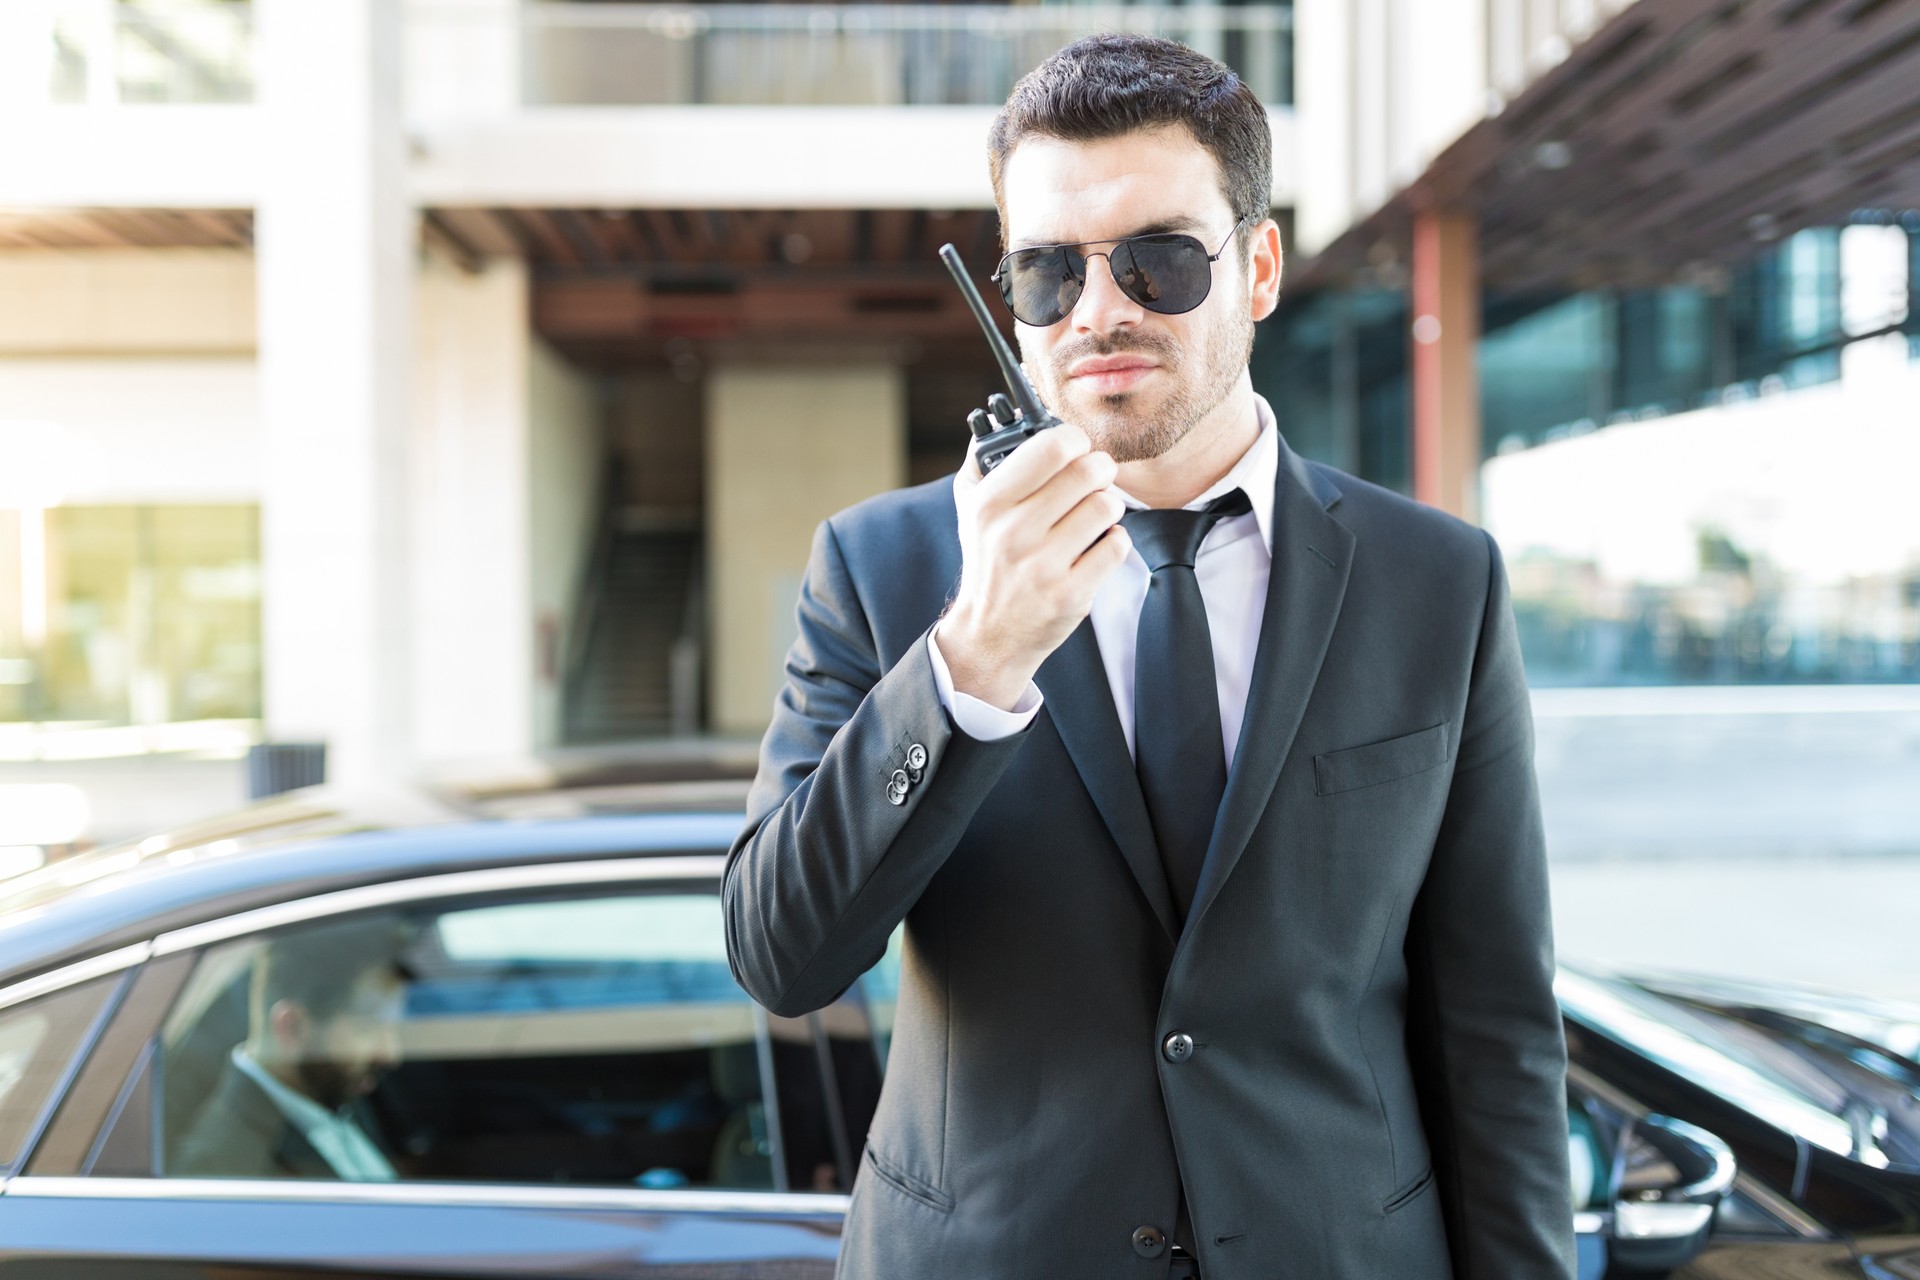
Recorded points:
(791,54)
(467,55)
(103,53)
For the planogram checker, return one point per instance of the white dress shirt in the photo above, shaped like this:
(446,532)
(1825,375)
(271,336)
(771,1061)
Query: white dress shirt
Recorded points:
(1234,564)
(341,1143)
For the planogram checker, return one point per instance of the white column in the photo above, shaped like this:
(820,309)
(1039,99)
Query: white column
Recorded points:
(471,640)
(504,499)
(1324,71)
(335,244)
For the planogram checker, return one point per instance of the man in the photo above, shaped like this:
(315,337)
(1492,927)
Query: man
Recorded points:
(1214,831)
(324,1014)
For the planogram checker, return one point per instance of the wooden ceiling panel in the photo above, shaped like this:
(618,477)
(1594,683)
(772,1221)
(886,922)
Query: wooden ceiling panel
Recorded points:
(126,228)
(1686,133)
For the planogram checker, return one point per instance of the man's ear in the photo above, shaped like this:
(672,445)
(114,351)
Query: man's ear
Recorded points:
(288,1023)
(1265,264)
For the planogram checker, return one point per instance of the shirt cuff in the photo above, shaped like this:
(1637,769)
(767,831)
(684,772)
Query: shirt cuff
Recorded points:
(980,720)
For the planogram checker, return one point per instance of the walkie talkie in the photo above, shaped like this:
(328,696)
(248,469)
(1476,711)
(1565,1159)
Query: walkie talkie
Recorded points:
(1004,424)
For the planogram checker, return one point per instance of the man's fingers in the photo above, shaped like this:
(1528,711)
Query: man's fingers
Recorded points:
(1098,561)
(1049,504)
(1082,526)
(1034,463)
(968,477)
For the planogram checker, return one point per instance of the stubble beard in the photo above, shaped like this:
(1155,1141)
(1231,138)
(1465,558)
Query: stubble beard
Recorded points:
(1132,430)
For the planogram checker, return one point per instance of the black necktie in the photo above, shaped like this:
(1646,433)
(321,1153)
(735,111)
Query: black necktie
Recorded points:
(1176,709)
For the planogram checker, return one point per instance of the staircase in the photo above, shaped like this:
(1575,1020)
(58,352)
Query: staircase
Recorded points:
(642,616)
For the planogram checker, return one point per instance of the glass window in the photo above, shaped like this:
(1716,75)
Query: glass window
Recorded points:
(589,1041)
(37,1043)
(130,615)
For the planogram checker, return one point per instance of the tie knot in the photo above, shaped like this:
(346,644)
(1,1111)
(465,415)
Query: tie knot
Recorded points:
(1173,536)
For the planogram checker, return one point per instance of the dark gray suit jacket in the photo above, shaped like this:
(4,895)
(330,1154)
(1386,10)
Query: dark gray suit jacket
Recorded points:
(240,1133)
(1377,1087)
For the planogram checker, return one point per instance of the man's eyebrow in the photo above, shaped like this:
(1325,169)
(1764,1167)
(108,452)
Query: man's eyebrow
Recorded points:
(1160,226)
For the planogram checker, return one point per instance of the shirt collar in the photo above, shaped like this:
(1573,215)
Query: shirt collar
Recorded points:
(1257,472)
(306,1114)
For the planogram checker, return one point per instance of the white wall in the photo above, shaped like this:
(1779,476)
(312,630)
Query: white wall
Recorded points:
(566,445)
(133,301)
(786,448)
(144,430)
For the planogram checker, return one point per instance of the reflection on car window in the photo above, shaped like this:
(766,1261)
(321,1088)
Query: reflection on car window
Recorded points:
(1667,1034)
(595,1041)
(881,987)
(37,1042)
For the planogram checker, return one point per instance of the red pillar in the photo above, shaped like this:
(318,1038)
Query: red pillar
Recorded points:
(1446,383)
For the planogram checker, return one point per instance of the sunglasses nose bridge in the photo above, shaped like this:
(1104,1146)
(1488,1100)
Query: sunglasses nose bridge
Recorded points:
(1111,277)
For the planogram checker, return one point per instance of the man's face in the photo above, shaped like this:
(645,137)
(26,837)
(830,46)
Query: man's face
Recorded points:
(1136,381)
(342,1057)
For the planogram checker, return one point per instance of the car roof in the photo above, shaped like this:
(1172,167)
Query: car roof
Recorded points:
(319,839)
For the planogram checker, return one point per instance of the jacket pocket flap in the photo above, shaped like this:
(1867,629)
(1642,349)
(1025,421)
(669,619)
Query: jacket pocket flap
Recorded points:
(1406,1194)
(1380,761)
(908,1185)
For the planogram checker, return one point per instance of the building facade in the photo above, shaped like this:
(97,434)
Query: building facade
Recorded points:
(460,379)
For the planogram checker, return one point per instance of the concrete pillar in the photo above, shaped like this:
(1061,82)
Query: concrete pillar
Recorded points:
(505,463)
(1324,72)
(1446,384)
(335,240)
(786,448)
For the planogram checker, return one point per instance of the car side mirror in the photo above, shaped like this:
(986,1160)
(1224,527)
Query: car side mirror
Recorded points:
(1668,1178)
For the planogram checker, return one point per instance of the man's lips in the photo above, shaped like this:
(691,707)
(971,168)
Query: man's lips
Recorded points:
(1107,375)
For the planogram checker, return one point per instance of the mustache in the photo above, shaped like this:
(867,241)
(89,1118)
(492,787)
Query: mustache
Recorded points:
(1109,344)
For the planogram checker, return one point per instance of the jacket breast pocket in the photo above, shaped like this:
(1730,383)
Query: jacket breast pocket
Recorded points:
(1379,762)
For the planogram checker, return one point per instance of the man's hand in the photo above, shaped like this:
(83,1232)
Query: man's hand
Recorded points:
(1037,538)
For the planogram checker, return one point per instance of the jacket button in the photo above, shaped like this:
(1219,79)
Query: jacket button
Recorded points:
(916,756)
(1177,1047)
(900,780)
(1149,1242)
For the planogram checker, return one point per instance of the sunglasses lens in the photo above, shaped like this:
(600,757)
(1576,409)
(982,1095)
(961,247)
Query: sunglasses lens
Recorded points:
(1041,285)
(1169,274)
(1166,274)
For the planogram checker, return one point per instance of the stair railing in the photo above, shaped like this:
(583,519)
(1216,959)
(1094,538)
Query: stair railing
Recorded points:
(685,670)
(590,594)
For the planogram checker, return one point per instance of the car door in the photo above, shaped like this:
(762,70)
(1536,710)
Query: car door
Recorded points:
(534,1070)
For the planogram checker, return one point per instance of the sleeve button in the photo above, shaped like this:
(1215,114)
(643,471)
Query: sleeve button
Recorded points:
(916,756)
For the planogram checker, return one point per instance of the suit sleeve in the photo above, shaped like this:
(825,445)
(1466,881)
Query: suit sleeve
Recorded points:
(1484,1028)
(828,864)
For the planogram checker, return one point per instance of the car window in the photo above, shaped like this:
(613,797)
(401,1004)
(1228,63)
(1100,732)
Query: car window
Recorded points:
(38,1040)
(587,1040)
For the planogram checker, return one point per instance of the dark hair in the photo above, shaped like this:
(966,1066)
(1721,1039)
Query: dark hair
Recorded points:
(318,967)
(1108,85)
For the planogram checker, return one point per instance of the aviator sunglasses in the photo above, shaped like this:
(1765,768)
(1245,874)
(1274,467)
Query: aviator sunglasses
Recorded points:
(1164,272)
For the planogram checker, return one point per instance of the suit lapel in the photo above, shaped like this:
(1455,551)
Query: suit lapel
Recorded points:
(1312,554)
(1080,705)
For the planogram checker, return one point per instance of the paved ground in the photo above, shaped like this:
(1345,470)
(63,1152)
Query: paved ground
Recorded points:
(1769,832)
(1851,925)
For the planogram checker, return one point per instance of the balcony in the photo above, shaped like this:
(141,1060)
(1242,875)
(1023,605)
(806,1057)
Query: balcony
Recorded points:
(464,56)
(149,104)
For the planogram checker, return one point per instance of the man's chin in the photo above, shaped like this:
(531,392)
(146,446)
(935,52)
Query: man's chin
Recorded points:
(1122,426)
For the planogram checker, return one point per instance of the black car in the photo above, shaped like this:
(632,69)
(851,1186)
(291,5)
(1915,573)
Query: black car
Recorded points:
(517,1010)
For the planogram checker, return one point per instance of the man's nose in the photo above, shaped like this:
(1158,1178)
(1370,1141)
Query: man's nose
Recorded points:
(1102,306)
